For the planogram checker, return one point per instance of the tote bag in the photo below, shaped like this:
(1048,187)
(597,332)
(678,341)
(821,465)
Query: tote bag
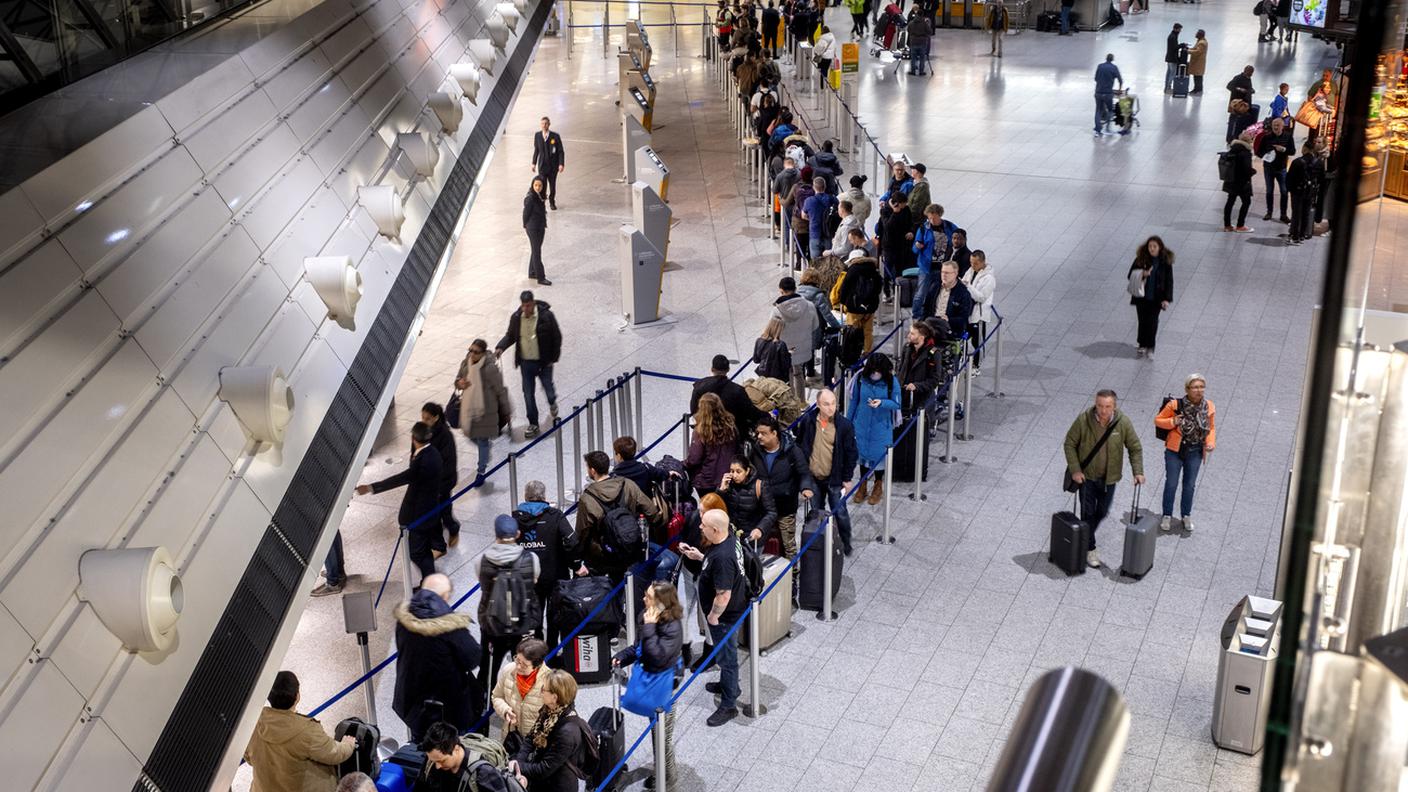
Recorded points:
(648,691)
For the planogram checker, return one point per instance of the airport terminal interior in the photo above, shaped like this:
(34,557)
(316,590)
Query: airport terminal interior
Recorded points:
(243,244)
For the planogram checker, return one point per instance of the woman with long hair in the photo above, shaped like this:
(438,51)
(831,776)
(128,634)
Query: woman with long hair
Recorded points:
(661,644)
(485,408)
(535,223)
(750,503)
(874,403)
(771,353)
(553,746)
(1150,291)
(712,445)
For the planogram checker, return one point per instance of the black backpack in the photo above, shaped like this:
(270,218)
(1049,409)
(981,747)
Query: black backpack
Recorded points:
(750,563)
(862,288)
(364,758)
(1226,166)
(1162,433)
(513,607)
(621,532)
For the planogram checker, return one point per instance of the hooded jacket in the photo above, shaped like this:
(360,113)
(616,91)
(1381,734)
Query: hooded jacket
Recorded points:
(642,474)
(826,165)
(437,660)
(596,498)
(783,181)
(291,753)
(982,287)
(546,532)
(499,555)
(799,325)
(860,204)
(841,240)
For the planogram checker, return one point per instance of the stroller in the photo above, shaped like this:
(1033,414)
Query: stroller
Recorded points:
(889,33)
(1126,109)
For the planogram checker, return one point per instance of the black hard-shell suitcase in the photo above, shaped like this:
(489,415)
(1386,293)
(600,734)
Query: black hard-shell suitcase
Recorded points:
(1139,536)
(1070,541)
(903,467)
(830,355)
(812,566)
(1180,83)
(905,286)
(608,724)
(574,599)
(364,758)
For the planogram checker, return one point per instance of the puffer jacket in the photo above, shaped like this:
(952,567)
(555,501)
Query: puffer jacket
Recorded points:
(750,505)
(860,204)
(789,477)
(660,646)
(822,301)
(507,698)
(291,753)
(826,165)
(799,325)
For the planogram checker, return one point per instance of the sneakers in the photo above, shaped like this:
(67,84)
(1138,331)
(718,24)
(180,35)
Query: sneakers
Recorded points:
(1148,354)
(1092,560)
(1124,131)
(977,372)
(326,589)
(1266,216)
(721,716)
(714,687)
(1139,352)
(1244,229)
(1166,523)
(530,432)
(1228,229)
(1188,523)
(1294,241)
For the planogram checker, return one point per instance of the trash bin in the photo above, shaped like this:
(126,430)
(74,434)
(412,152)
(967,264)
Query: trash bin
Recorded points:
(1250,637)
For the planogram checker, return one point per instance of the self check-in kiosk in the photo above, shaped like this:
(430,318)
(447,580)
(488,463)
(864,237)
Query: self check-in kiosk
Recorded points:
(651,216)
(638,42)
(631,75)
(642,269)
(633,136)
(652,170)
(634,103)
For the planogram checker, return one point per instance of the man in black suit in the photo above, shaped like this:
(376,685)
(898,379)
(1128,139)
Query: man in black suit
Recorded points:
(443,440)
(422,480)
(548,158)
(734,397)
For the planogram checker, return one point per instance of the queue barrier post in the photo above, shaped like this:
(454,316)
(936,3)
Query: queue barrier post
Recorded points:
(920,425)
(630,608)
(512,481)
(948,430)
(685,432)
(660,748)
(755,707)
(613,404)
(561,472)
(997,362)
(639,410)
(407,568)
(885,537)
(967,400)
(828,547)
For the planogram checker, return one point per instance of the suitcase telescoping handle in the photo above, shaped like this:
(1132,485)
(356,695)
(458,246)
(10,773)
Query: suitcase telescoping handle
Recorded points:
(1134,510)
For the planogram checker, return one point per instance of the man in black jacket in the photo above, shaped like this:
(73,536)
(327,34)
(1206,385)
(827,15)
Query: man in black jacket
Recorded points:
(549,158)
(546,532)
(828,441)
(537,343)
(1173,55)
(921,370)
(734,397)
(771,18)
(1278,143)
(437,659)
(422,480)
(781,464)
(433,415)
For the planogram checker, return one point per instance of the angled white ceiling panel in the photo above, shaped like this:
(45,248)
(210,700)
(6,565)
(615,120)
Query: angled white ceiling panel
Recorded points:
(32,289)
(20,225)
(351,39)
(83,425)
(396,38)
(289,86)
(405,116)
(266,219)
(410,63)
(131,285)
(212,144)
(316,112)
(363,168)
(350,239)
(363,69)
(306,235)
(345,135)
(382,15)
(244,177)
(178,513)
(287,339)
(98,759)
(166,334)
(206,95)
(47,708)
(240,322)
(379,96)
(38,589)
(281,47)
(86,649)
(16,647)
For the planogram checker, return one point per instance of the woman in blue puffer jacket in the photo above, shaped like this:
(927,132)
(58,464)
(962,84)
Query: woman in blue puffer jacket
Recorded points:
(874,404)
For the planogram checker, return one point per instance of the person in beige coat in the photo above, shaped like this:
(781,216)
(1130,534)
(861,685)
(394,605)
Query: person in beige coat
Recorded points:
(519,709)
(1198,61)
(291,752)
(484,405)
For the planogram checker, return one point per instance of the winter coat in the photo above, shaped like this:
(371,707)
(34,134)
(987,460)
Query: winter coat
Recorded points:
(1158,287)
(958,308)
(822,302)
(422,479)
(750,505)
(443,441)
(792,207)
(498,556)
(895,248)
(437,659)
(799,324)
(875,426)
(1242,169)
(1085,432)
(291,753)
(596,498)
(546,532)
(773,358)
(860,204)
(789,477)
(844,454)
(859,269)
(826,165)
(818,210)
(549,335)
(782,183)
(841,240)
(708,464)
(982,286)
(1198,57)
(920,31)
(506,697)
(549,769)
(1265,143)
(923,369)
(498,409)
(641,473)
(1172,48)
(660,646)
(826,46)
(919,200)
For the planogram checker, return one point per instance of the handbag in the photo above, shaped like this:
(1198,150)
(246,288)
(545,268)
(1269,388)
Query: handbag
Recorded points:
(1068,484)
(1309,114)
(452,410)
(1136,283)
(648,691)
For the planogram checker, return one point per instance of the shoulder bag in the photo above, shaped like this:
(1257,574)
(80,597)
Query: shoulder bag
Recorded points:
(1068,484)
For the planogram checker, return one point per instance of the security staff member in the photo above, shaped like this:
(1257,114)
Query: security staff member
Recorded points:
(548,158)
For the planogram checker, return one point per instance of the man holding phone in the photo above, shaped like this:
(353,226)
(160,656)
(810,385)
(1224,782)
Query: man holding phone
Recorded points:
(722,587)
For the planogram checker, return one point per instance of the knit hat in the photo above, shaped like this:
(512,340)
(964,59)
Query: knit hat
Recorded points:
(505,527)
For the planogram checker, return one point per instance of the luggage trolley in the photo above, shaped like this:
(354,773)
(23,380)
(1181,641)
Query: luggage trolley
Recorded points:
(889,34)
(1126,109)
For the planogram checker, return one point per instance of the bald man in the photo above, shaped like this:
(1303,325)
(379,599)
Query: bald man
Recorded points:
(438,660)
(723,589)
(828,439)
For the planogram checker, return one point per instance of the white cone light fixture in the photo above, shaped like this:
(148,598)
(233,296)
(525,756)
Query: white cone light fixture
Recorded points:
(496,28)
(467,75)
(484,53)
(447,110)
(136,593)
(384,206)
(421,150)
(510,15)
(521,6)
(260,398)
(338,284)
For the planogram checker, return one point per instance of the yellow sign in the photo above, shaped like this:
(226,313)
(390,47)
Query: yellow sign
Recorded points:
(850,58)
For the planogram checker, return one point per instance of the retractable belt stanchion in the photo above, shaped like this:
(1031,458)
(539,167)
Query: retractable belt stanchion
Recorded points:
(359,618)
(997,362)
(685,433)
(967,401)
(948,430)
(920,425)
(576,458)
(591,429)
(612,405)
(407,568)
(600,421)
(561,473)
(630,608)
(884,537)
(755,707)
(512,481)
(639,409)
(828,547)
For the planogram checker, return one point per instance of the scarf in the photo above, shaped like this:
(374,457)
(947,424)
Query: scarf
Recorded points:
(473,399)
(525,683)
(1193,422)
(547,720)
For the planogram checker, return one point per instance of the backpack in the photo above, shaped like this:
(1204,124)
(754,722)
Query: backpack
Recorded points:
(1259,9)
(364,758)
(675,483)
(1226,166)
(621,532)
(470,778)
(512,606)
(1159,432)
(589,769)
(861,291)
(750,563)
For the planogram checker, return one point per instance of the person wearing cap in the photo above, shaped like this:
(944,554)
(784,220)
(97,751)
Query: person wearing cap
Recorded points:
(734,397)
(545,531)
(291,752)
(437,659)
(857,293)
(1192,434)
(799,325)
(505,556)
(536,339)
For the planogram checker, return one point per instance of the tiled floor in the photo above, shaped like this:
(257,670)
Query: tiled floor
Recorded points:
(918,682)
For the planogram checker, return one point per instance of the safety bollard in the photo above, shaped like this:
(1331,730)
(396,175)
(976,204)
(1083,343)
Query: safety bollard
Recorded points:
(920,425)
(408,569)
(828,547)
(639,411)
(948,430)
(630,608)
(615,417)
(884,537)
(512,481)
(685,432)
(755,707)
(660,749)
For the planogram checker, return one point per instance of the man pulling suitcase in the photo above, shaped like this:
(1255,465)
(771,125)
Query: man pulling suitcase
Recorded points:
(1095,446)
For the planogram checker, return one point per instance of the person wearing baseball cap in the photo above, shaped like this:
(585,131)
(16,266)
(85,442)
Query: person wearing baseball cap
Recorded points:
(500,631)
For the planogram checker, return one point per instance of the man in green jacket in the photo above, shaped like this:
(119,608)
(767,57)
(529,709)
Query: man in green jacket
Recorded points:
(1096,470)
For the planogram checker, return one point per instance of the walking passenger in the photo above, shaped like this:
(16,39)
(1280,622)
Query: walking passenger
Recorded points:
(1152,273)
(549,159)
(433,415)
(1106,75)
(537,342)
(1097,478)
(485,410)
(874,402)
(997,26)
(1191,424)
(535,225)
(1239,187)
(422,480)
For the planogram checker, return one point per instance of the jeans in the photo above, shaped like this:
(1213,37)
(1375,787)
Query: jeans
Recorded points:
(1273,178)
(661,568)
(1246,198)
(816,244)
(996,42)
(925,293)
(1095,499)
(727,658)
(916,58)
(482,444)
(333,565)
(823,69)
(1170,71)
(533,371)
(1104,110)
(1188,462)
(1065,20)
(830,493)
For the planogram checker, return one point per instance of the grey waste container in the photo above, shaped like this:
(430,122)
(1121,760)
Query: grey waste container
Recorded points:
(1249,644)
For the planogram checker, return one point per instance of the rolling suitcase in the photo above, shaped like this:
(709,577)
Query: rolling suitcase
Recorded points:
(364,758)
(904,449)
(1139,536)
(775,611)
(608,724)
(1180,83)
(587,657)
(905,287)
(830,354)
(574,600)
(812,566)
(1070,540)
